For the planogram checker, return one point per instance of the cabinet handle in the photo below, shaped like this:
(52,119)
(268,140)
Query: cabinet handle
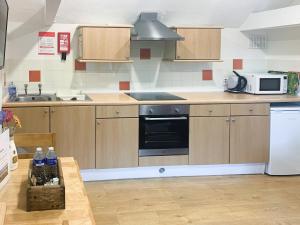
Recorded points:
(98,123)
(228,120)
(251,110)
(210,111)
(52,111)
(232,120)
(117,112)
(45,111)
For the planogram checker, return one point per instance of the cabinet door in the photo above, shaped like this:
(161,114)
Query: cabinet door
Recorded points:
(33,119)
(75,133)
(209,140)
(117,143)
(106,43)
(199,43)
(249,139)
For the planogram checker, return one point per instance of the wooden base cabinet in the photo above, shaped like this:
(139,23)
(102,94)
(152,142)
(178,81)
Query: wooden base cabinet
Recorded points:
(249,139)
(209,140)
(33,119)
(75,133)
(117,143)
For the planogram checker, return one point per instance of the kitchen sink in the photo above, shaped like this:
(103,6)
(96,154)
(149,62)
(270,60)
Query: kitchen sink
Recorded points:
(35,98)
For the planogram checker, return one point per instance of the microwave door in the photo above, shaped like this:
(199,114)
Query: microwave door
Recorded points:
(270,86)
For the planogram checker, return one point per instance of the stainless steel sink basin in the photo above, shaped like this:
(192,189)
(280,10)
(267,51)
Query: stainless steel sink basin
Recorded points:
(35,98)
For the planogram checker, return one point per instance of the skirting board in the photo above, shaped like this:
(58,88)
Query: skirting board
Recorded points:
(171,171)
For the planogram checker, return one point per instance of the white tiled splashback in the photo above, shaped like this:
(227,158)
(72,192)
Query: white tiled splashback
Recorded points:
(144,75)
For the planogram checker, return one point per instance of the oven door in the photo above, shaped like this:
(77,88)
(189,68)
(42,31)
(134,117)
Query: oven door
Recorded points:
(159,136)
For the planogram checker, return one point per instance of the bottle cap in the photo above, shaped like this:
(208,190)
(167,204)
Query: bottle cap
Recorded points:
(39,149)
(51,148)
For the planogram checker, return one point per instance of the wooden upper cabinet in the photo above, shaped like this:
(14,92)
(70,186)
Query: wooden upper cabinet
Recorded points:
(75,133)
(104,43)
(198,44)
(33,119)
(249,139)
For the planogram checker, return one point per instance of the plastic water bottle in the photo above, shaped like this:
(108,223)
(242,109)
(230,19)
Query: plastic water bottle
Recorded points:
(39,166)
(12,90)
(51,163)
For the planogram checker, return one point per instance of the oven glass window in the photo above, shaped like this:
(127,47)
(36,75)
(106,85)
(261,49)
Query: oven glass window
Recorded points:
(163,134)
(269,84)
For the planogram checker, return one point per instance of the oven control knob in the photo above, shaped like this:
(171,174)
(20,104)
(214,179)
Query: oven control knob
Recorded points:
(150,111)
(177,110)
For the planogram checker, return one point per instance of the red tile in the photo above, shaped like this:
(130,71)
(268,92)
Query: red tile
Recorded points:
(145,53)
(124,85)
(80,65)
(34,76)
(207,74)
(237,64)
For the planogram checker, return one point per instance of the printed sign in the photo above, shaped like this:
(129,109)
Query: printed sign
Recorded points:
(46,43)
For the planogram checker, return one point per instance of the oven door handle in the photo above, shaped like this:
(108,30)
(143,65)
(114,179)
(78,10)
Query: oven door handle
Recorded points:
(165,118)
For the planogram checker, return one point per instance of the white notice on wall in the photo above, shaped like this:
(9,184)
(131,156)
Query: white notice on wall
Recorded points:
(46,43)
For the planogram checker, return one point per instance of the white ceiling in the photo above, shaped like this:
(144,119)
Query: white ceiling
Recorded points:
(227,13)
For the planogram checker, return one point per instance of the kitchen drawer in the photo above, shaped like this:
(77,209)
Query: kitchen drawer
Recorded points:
(210,110)
(250,109)
(117,111)
(164,160)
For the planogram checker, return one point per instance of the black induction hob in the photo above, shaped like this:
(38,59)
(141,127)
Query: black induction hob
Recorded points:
(153,96)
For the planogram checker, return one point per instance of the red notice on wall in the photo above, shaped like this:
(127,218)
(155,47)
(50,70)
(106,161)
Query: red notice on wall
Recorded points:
(46,43)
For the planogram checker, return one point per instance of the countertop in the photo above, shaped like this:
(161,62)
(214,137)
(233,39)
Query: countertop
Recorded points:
(191,98)
(78,210)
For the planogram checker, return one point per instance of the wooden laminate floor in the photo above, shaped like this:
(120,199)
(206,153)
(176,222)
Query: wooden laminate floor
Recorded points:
(226,200)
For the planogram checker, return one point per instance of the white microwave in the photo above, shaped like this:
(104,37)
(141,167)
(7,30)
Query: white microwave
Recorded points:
(266,84)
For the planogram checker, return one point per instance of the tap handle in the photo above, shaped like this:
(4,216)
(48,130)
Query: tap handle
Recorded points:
(40,86)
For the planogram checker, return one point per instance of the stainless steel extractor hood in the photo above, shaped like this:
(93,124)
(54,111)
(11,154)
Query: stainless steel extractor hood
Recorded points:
(148,28)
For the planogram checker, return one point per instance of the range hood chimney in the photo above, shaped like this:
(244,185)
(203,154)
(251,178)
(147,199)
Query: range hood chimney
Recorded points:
(148,28)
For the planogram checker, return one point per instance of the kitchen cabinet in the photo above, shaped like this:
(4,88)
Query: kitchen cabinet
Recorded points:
(106,44)
(199,44)
(114,111)
(117,143)
(249,139)
(224,133)
(250,109)
(209,140)
(75,133)
(33,119)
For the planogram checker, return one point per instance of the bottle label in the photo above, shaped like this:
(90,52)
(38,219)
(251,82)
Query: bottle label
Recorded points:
(39,162)
(51,162)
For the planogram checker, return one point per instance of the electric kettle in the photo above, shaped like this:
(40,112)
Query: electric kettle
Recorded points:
(236,83)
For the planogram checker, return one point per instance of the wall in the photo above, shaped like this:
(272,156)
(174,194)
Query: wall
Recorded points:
(150,75)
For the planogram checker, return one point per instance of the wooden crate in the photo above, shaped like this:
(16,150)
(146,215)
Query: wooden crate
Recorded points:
(46,197)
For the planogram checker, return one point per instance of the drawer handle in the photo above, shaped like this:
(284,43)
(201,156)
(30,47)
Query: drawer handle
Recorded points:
(232,120)
(117,112)
(251,110)
(210,111)
(45,111)
(227,120)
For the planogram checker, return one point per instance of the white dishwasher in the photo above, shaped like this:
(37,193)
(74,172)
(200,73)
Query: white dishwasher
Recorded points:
(285,139)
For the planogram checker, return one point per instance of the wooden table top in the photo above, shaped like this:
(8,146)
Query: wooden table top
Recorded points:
(77,212)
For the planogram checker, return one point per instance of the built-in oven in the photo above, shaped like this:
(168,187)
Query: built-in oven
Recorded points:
(163,130)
